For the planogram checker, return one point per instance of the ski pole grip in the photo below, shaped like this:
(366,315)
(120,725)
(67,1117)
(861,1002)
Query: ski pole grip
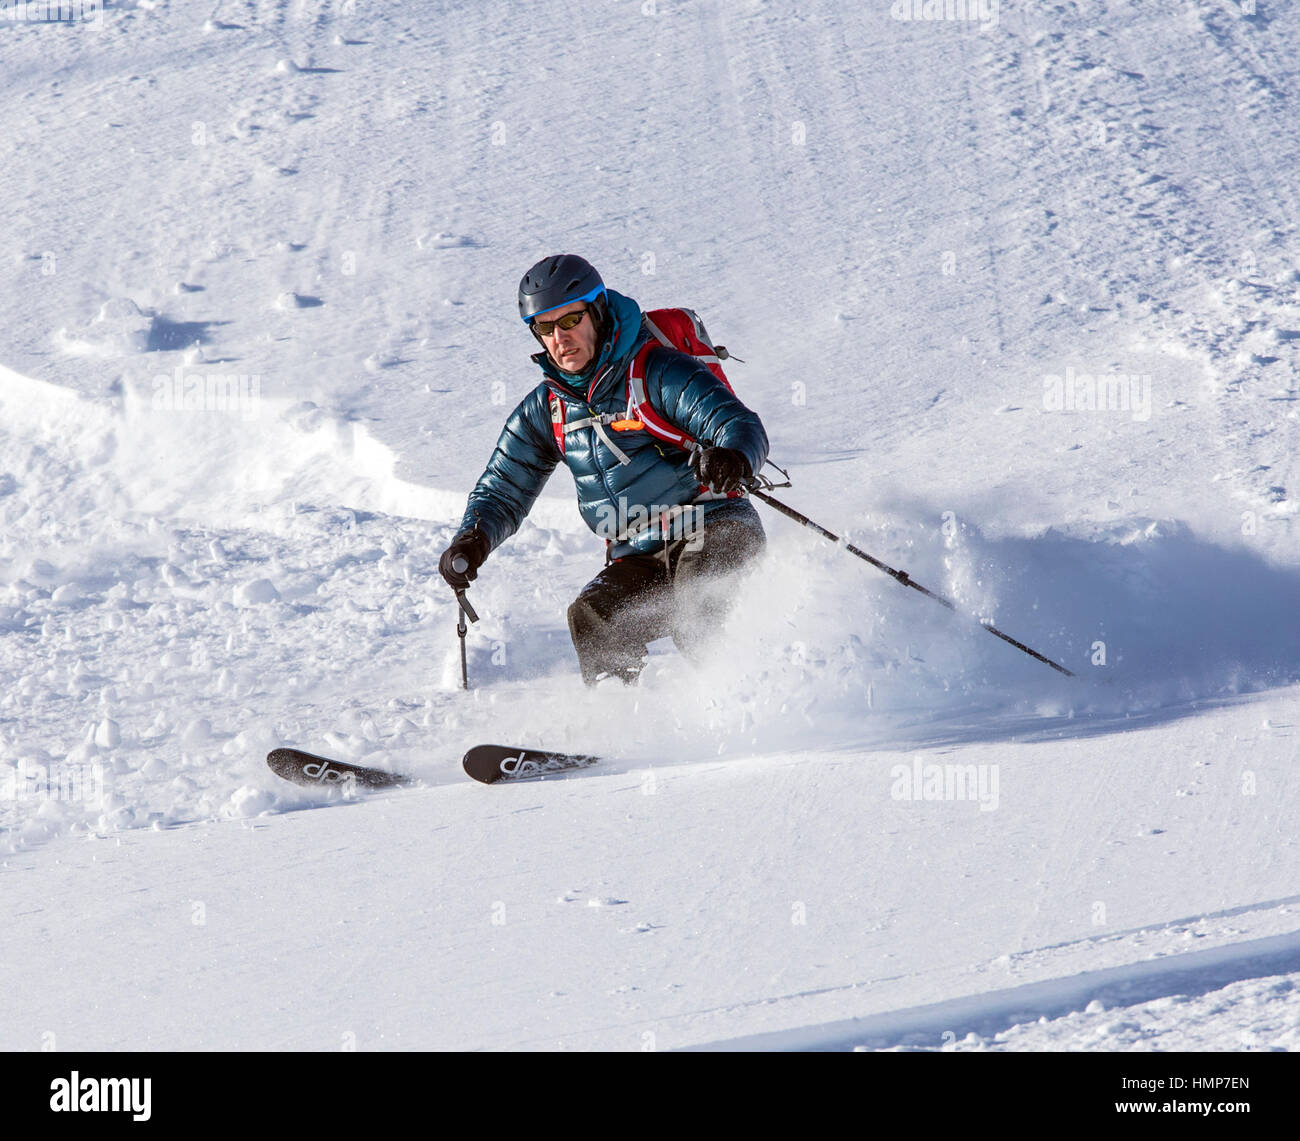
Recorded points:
(460,564)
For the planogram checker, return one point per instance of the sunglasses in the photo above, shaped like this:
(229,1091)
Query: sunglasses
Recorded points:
(568,321)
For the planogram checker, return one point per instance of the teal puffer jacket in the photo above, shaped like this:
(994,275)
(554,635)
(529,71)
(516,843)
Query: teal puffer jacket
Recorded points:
(619,497)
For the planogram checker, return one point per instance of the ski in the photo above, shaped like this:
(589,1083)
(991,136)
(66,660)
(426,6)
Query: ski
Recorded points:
(311,771)
(493,763)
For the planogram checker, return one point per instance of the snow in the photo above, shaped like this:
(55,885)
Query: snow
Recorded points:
(1027,331)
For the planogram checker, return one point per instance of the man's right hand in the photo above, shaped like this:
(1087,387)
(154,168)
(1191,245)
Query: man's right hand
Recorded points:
(467,552)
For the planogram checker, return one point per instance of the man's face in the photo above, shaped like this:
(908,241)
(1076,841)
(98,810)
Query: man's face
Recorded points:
(570,349)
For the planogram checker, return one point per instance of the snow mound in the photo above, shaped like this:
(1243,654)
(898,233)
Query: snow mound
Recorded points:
(120,328)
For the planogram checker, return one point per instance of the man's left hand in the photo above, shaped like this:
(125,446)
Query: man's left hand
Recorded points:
(722,469)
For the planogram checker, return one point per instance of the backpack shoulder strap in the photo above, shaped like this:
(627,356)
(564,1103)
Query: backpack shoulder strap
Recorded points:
(596,422)
(557,418)
(639,407)
(682,330)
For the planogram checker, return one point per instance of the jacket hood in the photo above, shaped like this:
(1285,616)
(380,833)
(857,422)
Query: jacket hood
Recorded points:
(625,332)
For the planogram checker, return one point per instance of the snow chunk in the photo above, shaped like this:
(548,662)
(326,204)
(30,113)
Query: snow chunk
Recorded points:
(256,593)
(173,576)
(155,768)
(289,300)
(444,240)
(248,801)
(120,328)
(305,416)
(197,734)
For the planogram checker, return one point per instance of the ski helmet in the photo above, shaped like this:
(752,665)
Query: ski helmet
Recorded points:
(559,280)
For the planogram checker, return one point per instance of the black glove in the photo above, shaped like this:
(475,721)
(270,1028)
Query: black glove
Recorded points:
(722,469)
(472,547)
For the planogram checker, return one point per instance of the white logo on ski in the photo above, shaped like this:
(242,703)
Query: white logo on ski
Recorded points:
(323,772)
(518,766)
(521,767)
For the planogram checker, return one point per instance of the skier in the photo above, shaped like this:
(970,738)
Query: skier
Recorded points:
(675,518)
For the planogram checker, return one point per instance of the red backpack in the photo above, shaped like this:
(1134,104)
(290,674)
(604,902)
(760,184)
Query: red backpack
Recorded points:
(679,329)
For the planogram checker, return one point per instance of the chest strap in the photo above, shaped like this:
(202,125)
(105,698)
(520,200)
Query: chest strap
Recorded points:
(596,422)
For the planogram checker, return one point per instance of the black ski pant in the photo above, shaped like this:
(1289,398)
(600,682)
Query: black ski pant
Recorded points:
(684,590)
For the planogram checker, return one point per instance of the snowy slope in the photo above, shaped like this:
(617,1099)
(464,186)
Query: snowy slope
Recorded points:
(317,213)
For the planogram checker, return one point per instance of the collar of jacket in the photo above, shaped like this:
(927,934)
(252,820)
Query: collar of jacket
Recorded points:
(610,361)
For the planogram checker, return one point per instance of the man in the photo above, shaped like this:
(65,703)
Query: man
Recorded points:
(676,520)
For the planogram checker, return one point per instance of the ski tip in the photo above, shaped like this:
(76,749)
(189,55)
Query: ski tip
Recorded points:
(483,762)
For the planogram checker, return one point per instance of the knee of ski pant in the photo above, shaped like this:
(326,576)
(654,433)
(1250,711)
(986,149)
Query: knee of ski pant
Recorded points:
(582,617)
(624,584)
(605,648)
(618,619)
(725,546)
(592,608)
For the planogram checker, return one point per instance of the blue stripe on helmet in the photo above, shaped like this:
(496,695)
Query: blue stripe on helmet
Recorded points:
(599,291)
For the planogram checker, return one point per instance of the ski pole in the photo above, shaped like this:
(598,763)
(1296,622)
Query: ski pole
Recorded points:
(464,610)
(899,576)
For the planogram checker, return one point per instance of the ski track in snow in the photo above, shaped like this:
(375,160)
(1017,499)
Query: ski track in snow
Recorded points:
(1173,999)
(335,204)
